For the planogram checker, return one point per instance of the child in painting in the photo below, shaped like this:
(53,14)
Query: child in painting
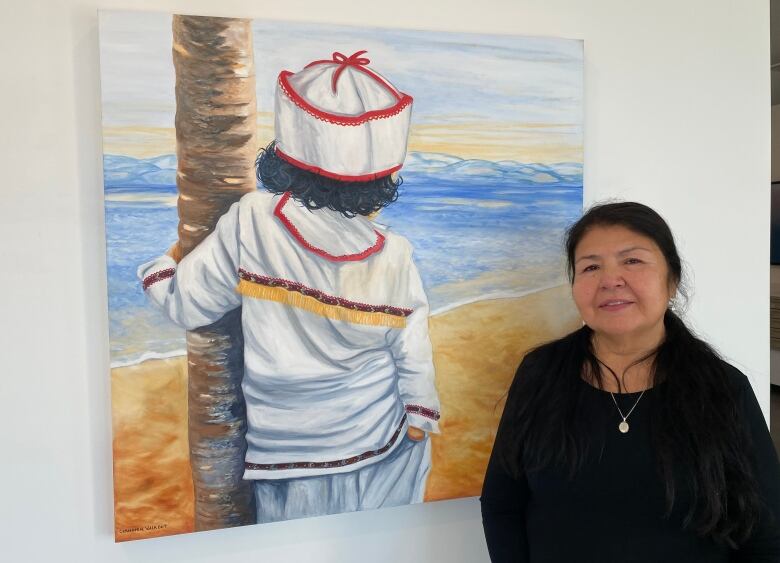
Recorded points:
(338,377)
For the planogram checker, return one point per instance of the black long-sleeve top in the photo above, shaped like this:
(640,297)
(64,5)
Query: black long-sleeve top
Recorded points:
(612,509)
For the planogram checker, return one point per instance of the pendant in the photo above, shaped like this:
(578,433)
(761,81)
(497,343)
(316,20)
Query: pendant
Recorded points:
(623,427)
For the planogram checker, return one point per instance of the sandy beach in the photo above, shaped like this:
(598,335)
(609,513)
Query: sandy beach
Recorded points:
(476,350)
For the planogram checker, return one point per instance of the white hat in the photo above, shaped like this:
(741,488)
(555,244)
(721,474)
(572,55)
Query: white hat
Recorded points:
(340,119)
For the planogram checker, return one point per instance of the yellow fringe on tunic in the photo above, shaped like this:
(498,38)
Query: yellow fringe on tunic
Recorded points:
(308,303)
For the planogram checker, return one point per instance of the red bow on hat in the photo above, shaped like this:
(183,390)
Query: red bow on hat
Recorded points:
(354,60)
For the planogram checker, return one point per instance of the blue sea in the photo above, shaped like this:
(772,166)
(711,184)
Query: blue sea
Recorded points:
(480,230)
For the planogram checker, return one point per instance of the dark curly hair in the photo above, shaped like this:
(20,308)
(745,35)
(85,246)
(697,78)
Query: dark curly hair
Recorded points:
(316,192)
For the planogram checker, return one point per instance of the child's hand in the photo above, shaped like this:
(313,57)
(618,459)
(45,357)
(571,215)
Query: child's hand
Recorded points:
(175,252)
(415,434)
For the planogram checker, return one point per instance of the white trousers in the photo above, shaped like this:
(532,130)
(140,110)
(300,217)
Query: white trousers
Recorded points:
(397,479)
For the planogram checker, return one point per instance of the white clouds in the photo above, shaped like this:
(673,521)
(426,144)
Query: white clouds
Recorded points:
(486,77)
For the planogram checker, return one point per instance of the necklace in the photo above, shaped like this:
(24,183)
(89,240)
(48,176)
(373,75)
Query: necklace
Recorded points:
(623,426)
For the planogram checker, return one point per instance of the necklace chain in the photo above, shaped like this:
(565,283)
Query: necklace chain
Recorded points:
(625,416)
(623,426)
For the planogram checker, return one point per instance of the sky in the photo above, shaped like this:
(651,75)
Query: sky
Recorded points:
(495,97)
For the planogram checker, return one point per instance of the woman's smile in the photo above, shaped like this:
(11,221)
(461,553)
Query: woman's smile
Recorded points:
(615,304)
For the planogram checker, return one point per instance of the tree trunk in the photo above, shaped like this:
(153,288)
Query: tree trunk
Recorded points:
(216,146)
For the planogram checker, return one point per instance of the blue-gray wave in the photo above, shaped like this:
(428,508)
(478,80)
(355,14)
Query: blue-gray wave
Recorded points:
(127,172)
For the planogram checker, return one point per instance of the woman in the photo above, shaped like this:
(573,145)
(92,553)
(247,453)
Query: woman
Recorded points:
(630,439)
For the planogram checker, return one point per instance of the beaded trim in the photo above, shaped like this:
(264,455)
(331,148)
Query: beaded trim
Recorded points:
(352,121)
(328,464)
(423,411)
(279,213)
(321,297)
(333,175)
(152,279)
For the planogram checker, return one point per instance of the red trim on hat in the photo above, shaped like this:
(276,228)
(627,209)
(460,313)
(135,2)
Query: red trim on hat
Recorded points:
(351,120)
(376,247)
(343,177)
(357,62)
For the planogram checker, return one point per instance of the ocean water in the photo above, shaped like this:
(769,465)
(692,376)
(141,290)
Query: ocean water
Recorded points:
(476,236)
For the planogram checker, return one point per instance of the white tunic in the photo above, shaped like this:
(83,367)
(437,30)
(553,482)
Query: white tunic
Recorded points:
(335,319)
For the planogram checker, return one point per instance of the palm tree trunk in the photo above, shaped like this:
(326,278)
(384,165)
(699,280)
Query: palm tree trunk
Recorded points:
(216,146)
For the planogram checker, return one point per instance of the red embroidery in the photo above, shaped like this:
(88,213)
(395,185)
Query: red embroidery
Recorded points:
(328,464)
(358,63)
(284,83)
(322,297)
(342,177)
(152,279)
(377,246)
(423,411)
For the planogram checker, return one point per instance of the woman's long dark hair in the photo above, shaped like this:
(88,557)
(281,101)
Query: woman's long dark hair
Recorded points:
(316,191)
(699,435)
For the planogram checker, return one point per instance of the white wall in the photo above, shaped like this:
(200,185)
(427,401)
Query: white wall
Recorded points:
(677,116)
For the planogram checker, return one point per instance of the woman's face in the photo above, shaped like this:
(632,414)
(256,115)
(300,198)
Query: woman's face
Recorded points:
(621,282)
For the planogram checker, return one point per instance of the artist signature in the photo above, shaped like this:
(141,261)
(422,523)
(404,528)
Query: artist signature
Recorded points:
(147,528)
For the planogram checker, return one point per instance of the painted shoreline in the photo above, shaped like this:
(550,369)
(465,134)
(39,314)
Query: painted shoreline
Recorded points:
(477,347)
(147,356)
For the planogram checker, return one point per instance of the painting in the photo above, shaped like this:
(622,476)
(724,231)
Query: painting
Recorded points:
(328,248)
